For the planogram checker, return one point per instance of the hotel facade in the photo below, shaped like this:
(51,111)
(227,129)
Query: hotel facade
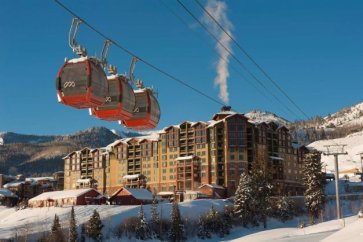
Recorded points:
(182,158)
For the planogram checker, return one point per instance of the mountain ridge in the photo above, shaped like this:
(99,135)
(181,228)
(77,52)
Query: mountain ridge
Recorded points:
(43,154)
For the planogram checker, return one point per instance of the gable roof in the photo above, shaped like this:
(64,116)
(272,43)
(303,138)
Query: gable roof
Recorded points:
(61,194)
(212,186)
(7,193)
(140,194)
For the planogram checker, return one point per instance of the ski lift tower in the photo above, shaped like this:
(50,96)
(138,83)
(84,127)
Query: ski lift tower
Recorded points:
(361,165)
(336,150)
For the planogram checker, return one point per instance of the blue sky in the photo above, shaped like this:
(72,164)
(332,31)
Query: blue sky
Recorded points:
(313,49)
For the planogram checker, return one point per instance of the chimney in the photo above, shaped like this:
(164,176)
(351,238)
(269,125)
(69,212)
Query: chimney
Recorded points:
(226,108)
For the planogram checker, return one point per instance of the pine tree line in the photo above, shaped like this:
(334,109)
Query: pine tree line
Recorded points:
(92,230)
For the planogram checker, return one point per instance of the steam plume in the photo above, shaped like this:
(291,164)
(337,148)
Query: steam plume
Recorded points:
(218,10)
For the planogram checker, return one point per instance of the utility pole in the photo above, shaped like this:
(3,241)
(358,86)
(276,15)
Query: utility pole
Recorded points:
(336,150)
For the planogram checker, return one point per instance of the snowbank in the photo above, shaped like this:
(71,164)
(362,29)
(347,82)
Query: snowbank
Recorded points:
(352,232)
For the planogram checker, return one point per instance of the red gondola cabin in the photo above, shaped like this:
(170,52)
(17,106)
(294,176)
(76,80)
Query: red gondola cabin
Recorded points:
(82,83)
(146,113)
(120,102)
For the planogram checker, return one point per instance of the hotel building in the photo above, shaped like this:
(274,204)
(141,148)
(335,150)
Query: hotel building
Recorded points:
(182,158)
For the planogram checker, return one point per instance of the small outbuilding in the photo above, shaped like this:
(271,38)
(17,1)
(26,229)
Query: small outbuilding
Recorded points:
(8,198)
(131,196)
(213,191)
(67,197)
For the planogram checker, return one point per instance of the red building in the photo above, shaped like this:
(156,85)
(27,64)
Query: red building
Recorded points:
(67,197)
(131,196)
(213,191)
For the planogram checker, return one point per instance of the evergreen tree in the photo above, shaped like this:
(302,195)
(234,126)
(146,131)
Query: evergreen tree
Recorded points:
(284,209)
(203,232)
(142,228)
(73,236)
(261,194)
(155,219)
(243,197)
(214,221)
(176,232)
(226,220)
(94,227)
(56,233)
(56,225)
(314,185)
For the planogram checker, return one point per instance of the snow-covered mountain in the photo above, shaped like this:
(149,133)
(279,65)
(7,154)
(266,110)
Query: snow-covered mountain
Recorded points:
(354,146)
(338,125)
(346,117)
(30,154)
(259,116)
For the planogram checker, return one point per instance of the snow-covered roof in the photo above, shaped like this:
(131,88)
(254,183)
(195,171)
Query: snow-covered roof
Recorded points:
(151,136)
(13,184)
(113,76)
(7,193)
(87,180)
(226,112)
(76,60)
(211,123)
(49,178)
(140,194)
(172,126)
(276,158)
(60,194)
(116,142)
(131,177)
(212,186)
(165,193)
(189,157)
(140,90)
(199,122)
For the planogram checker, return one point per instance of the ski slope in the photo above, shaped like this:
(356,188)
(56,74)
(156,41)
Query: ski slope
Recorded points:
(354,146)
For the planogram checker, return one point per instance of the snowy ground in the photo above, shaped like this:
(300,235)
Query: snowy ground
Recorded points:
(36,220)
(308,234)
(354,146)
